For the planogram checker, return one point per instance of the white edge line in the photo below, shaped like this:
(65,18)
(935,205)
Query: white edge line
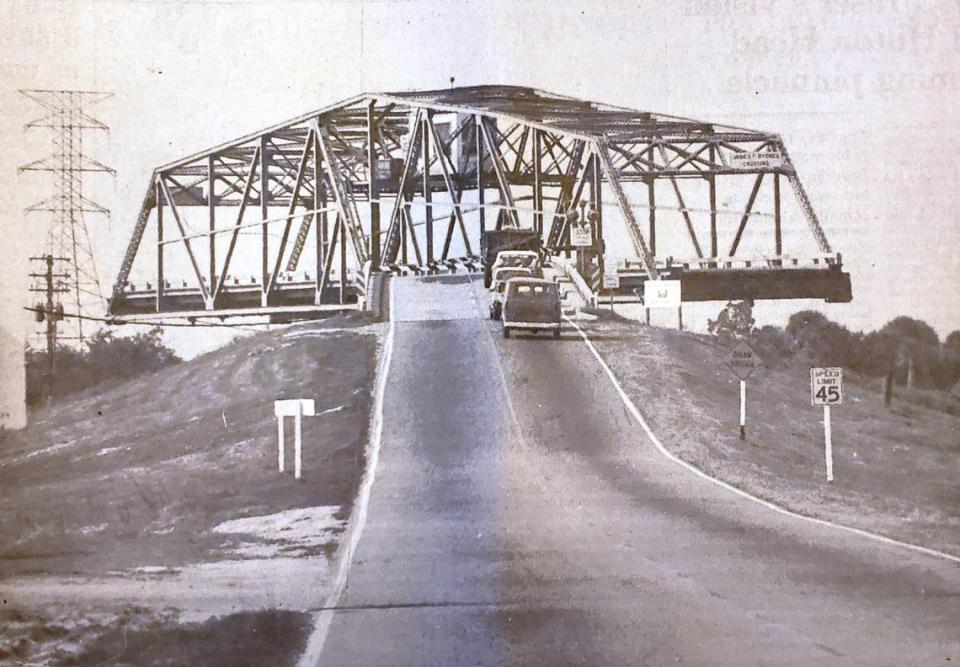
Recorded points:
(322,619)
(743,494)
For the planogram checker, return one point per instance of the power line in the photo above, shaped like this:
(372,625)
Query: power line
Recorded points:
(157,323)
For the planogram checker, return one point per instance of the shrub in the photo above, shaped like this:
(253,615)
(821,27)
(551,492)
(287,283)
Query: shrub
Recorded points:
(106,357)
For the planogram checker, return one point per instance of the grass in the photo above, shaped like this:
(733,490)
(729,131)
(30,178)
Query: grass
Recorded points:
(896,470)
(139,473)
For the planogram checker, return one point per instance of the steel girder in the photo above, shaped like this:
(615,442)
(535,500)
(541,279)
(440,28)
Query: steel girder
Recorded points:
(376,149)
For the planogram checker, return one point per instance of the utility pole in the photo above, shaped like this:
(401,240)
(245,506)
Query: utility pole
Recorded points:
(50,311)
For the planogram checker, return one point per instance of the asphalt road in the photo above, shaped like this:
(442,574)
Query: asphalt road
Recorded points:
(519,517)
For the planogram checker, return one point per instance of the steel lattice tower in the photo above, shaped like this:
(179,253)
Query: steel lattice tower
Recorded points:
(67,235)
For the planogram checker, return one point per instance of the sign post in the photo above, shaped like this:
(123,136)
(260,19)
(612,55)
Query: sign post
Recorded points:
(742,360)
(296,408)
(826,389)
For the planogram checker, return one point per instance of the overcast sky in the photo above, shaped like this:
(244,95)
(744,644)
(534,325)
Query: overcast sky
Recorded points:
(864,94)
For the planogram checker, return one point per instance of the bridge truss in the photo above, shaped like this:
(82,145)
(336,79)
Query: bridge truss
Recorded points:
(295,218)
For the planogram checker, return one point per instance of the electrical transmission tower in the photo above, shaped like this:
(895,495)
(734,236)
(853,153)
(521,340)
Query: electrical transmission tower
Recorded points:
(67,236)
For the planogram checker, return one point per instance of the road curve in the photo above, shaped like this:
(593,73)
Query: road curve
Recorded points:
(519,517)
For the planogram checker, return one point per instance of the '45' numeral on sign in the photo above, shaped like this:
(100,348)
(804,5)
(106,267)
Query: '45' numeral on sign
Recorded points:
(828,394)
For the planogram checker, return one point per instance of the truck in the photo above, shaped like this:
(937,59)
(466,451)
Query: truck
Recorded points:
(495,240)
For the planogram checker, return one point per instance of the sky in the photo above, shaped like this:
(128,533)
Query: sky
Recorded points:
(864,94)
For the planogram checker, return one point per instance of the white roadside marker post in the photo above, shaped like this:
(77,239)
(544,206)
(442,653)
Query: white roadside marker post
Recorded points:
(826,389)
(828,449)
(743,409)
(280,443)
(297,441)
(296,408)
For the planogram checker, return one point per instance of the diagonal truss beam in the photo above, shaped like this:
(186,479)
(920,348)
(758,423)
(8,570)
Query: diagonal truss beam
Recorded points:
(746,215)
(454,195)
(183,233)
(392,244)
(248,185)
(498,168)
(294,200)
(342,196)
(633,227)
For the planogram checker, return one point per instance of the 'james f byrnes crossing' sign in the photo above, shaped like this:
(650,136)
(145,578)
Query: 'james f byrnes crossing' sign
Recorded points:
(826,389)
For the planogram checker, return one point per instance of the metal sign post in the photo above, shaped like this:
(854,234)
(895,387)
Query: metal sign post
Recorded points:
(296,408)
(742,360)
(826,389)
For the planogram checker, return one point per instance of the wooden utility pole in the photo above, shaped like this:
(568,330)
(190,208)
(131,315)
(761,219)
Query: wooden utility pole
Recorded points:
(48,311)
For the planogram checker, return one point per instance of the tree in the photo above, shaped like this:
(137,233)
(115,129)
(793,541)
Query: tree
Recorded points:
(106,357)
(734,322)
(822,341)
(916,350)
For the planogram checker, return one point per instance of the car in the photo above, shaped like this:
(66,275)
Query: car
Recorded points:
(498,284)
(532,304)
(517,259)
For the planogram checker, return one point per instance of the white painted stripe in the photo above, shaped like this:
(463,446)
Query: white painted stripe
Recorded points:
(743,494)
(322,620)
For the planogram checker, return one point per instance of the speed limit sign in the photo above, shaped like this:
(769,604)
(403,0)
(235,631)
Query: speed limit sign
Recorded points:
(826,389)
(826,386)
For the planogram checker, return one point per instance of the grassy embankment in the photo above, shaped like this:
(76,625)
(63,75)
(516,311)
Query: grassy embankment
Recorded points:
(140,474)
(897,470)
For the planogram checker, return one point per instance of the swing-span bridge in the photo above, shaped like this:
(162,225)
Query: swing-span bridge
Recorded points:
(297,217)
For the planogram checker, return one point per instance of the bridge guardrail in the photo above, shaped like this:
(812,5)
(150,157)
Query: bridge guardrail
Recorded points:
(578,282)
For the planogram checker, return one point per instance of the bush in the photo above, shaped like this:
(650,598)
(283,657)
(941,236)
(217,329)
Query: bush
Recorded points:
(106,357)
(773,344)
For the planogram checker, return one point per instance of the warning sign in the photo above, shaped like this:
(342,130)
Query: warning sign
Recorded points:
(742,360)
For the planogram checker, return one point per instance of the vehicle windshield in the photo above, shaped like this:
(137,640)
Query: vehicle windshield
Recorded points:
(506,274)
(539,293)
(526,260)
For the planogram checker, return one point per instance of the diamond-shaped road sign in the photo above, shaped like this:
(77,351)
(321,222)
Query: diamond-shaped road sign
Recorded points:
(742,360)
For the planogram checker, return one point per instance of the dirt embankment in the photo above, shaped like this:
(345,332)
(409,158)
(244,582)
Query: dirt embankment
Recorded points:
(163,493)
(896,470)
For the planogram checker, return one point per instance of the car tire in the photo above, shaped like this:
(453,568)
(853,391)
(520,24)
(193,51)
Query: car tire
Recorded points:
(556,333)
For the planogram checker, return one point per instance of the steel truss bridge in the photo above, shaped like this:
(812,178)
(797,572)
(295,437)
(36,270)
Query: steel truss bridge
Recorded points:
(296,218)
